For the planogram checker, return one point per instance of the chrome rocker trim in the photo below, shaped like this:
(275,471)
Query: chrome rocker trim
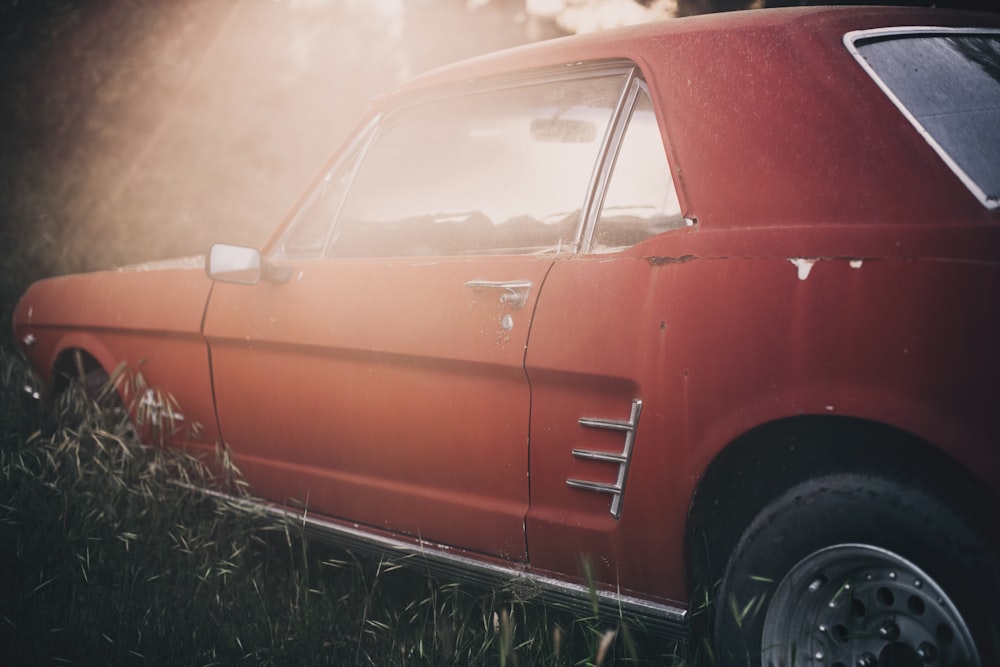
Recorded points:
(640,614)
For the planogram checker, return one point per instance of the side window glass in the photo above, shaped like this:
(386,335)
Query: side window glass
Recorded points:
(947,84)
(640,200)
(497,172)
(311,227)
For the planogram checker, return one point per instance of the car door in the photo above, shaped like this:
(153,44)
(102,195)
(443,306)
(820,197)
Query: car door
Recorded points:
(607,410)
(382,380)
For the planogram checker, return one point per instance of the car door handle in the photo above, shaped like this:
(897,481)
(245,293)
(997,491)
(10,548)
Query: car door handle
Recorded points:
(513,293)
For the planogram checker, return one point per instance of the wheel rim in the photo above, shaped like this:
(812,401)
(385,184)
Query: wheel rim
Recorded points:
(855,605)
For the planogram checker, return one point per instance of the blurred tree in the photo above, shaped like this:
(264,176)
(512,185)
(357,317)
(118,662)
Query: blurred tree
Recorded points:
(692,7)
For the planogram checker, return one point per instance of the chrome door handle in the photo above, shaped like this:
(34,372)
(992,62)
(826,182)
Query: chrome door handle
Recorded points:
(514,293)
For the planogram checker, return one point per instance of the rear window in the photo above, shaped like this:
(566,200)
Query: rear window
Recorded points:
(947,83)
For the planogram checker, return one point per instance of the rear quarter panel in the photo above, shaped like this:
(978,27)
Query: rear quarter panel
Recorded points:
(719,333)
(837,267)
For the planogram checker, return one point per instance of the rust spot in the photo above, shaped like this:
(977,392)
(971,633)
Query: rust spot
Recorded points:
(660,261)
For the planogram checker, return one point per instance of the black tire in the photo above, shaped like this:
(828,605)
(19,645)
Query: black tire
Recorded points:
(853,569)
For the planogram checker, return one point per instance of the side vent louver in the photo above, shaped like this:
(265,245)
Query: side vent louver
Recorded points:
(616,490)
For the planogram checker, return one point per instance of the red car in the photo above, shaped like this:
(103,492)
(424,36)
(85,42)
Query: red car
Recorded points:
(706,310)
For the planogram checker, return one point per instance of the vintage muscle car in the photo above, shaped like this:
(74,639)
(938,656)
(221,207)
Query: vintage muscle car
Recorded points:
(704,313)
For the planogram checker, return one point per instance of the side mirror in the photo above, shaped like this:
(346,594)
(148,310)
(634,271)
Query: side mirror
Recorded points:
(243,266)
(234,264)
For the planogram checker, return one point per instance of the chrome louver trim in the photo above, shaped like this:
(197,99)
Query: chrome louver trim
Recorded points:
(616,490)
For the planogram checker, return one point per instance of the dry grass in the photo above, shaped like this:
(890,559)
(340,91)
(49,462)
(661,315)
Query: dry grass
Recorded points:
(109,561)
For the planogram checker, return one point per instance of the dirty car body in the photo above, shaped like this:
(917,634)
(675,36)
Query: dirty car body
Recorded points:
(643,305)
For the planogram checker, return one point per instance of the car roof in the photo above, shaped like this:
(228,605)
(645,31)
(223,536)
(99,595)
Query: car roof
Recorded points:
(769,119)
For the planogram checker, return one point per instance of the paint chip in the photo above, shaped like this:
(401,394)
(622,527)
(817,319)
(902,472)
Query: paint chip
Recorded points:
(804,265)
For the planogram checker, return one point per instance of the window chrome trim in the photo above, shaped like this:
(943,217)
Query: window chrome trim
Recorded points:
(854,40)
(540,76)
(356,148)
(363,144)
(601,175)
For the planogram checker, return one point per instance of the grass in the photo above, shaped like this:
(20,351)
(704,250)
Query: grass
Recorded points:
(107,560)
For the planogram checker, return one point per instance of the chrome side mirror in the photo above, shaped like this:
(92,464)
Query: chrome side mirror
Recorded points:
(243,266)
(234,264)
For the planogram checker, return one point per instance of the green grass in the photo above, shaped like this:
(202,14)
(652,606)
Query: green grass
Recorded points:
(107,560)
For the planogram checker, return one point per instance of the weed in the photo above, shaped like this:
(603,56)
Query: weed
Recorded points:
(109,560)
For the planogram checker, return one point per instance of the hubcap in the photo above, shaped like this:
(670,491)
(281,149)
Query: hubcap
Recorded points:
(855,605)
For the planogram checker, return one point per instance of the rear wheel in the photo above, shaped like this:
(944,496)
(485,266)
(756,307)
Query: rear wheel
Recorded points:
(859,571)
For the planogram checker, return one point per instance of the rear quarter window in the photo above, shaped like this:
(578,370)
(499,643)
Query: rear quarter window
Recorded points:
(947,83)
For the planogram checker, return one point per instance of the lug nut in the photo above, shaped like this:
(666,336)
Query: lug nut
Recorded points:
(867,660)
(889,631)
(817,583)
(927,652)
